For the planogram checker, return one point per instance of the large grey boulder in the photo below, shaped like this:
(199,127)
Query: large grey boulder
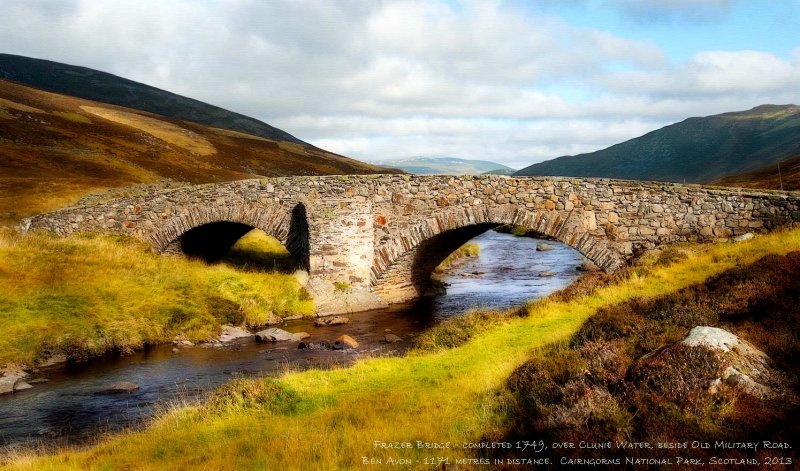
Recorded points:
(231,333)
(8,382)
(745,366)
(274,335)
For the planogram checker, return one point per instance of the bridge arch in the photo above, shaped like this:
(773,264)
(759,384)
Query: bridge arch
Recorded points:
(402,268)
(208,232)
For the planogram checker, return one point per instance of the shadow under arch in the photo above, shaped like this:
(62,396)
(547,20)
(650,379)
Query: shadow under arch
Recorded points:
(209,236)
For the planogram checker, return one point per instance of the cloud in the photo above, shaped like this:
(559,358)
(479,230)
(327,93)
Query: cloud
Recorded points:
(399,78)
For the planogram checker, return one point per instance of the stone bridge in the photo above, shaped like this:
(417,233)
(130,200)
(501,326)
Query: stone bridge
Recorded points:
(381,235)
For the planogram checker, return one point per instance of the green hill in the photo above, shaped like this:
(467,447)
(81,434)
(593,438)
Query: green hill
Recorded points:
(696,150)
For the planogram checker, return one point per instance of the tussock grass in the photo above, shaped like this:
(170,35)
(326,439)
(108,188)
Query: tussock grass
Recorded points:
(87,294)
(331,419)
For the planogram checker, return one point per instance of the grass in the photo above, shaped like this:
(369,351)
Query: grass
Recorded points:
(333,418)
(626,377)
(88,294)
(167,132)
(470,249)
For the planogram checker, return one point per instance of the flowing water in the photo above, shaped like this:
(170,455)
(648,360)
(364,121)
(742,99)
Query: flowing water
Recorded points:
(67,409)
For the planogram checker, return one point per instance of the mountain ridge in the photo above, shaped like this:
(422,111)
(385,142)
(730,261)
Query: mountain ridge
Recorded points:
(697,149)
(445,166)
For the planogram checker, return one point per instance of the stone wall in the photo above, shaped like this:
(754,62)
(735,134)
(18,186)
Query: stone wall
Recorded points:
(369,232)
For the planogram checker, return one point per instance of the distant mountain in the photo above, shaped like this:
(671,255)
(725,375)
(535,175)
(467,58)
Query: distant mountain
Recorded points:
(447,166)
(90,84)
(57,149)
(698,150)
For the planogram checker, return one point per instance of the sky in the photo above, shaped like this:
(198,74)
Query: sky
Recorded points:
(515,82)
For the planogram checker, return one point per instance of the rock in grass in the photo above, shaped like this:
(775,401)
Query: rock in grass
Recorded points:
(391,338)
(345,341)
(273,335)
(744,237)
(121,387)
(745,367)
(335,320)
(542,247)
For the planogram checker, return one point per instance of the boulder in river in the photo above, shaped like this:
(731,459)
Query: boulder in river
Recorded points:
(273,335)
(335,320)
(298,336)
(22,386)
(8,382)
(546,274)
(231,333)
(321,345)
(120,387)
(345,341)
(391,338)
(543,247)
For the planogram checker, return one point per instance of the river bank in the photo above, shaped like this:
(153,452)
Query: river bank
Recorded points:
(67,407)
(334,417)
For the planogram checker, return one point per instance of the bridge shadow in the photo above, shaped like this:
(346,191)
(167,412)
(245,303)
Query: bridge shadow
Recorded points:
(246,247)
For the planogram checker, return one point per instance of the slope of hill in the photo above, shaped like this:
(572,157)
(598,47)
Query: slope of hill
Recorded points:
(56,149)
(447,166)
(698,150)
(90,84)
(769,177)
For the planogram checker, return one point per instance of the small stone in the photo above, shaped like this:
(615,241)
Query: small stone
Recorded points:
(587,265)
(22,386)
(744,237)
(298,336)
(345,341)
(545,274)
(293,318)
(391,338)
(335,320)
(121,387)
(175,350)
(386,331)
(542,247)
(273,335)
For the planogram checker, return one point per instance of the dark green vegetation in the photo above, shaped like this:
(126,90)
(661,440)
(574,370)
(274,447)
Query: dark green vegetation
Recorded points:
(697,150)
(622,376)
(448,166)
(90,84)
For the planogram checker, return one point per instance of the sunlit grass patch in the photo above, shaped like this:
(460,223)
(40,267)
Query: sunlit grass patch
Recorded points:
(87,294)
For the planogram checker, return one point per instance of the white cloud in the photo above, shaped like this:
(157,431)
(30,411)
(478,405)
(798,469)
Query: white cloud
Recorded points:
(380,80)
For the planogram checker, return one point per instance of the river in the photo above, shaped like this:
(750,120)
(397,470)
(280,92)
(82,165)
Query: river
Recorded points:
(67,409)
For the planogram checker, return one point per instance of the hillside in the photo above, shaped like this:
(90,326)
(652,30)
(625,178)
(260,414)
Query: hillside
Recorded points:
(698,150)
(767,176)
(57,149)
(90,84)
(448,166)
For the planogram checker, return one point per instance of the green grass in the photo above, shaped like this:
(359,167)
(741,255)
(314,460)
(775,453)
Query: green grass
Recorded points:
(87,294)
(330,419)
(470,249)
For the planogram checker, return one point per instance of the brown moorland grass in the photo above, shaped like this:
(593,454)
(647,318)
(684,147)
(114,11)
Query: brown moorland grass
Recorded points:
(623,377)
(331,419)
(55,151)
